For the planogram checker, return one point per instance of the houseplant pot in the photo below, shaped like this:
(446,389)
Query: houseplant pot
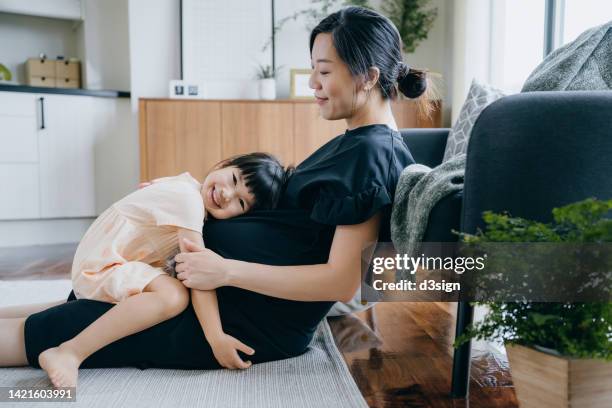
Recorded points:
(266,82)
(560,353)
(267,88)
(543,380)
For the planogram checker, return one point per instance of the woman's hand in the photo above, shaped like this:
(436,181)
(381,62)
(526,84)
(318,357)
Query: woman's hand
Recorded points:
(225,348)
(200,268)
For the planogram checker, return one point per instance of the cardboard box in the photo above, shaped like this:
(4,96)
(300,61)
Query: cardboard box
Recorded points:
(36,67)
(67,69)
(66,83)
(42,81)
(53,73)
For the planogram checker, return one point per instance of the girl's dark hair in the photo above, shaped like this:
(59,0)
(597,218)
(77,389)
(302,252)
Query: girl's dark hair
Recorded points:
(364,39)
(263,175)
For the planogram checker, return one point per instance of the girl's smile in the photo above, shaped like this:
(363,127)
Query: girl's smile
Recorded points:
(213,200)
(225,194)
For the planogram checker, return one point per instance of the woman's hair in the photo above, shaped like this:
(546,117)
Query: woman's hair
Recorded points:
(264,176)
(364,39)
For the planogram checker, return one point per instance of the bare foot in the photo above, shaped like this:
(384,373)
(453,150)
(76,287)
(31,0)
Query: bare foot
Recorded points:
(61,365)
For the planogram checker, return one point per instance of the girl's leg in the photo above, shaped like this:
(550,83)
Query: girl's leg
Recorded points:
(12,343)
(162,299)
(11,312)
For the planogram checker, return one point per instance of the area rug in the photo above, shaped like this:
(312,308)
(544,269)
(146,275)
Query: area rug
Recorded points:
(318,378)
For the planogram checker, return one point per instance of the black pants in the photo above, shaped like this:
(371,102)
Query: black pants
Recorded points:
(177,343)
(275,328)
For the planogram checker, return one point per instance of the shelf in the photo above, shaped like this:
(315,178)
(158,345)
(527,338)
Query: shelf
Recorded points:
(65,91)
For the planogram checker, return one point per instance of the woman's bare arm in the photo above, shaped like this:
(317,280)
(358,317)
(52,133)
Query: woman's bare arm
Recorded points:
(336,280)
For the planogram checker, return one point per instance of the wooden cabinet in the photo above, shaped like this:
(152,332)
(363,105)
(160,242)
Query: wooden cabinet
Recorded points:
(264,127)
(183,135)
(178,136)
(310,131)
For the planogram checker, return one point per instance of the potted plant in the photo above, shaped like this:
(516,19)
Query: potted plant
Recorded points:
(560,354)
(267,83)
(412,20)
(5,74)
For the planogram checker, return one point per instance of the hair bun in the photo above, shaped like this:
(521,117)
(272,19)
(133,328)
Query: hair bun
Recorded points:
(411,82)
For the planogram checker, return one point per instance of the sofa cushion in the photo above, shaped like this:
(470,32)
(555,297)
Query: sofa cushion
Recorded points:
(479,97)
(583,64)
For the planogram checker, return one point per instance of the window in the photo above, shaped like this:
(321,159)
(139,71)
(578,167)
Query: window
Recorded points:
(580,15)
(517,33)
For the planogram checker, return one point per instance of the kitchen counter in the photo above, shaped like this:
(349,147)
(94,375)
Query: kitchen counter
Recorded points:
(65,91)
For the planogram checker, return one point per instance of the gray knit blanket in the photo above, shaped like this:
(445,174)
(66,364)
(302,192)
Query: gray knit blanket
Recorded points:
(418,190)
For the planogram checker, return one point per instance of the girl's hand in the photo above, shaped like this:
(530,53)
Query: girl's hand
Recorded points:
(225,348)
(200,268)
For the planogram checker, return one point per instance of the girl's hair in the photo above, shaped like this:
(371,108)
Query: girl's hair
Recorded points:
(263,175)
(364,39)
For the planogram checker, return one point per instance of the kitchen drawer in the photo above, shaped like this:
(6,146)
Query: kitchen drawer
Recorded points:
(17,103)
(66,83)
(67,69)
(18,139)
(19,184)
(42,81)
(36,67)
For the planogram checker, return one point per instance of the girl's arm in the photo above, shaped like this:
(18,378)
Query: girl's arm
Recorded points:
(225,347)
(336,280)
(206,309)
(204,302)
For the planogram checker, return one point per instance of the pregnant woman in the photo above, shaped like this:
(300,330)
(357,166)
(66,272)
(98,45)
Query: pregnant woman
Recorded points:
(277,272)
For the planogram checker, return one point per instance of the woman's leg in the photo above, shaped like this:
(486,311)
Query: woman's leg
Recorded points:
(11,312)
(162,299)
(12,343)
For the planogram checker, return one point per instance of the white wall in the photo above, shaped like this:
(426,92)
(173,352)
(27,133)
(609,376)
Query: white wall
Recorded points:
(291,44)
(105,44)
(23,37)
(154,30)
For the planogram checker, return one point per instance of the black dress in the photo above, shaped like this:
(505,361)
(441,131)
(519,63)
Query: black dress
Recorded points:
(344,182)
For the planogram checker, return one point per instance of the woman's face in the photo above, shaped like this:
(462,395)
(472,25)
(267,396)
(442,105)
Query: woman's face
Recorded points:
(225,194)
(334,86)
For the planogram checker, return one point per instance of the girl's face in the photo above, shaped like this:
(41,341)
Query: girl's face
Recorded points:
(224,193)
(334,86)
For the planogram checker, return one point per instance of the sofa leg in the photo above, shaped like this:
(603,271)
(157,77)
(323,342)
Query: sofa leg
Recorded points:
(461,358)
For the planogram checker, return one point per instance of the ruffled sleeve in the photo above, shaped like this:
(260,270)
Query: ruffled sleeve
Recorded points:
(351,178)
(350,209)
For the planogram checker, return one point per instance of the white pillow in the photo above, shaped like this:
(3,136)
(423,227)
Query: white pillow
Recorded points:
(479,97)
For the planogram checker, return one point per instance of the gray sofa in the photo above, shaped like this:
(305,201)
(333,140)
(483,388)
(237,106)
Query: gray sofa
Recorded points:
(528,153)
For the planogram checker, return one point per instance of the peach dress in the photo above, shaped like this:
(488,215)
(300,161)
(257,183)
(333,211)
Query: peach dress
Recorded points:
(127,245)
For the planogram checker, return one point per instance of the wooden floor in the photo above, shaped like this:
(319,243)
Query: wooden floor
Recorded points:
(399,354)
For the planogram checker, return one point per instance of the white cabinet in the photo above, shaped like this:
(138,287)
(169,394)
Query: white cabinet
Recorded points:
(18,137)
(66,9)
(19,192)
(52,147)
(66,146)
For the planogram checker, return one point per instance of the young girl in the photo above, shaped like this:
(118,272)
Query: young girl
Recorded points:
(121,257)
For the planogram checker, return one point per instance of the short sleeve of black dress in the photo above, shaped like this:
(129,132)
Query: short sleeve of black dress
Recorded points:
(351,178)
